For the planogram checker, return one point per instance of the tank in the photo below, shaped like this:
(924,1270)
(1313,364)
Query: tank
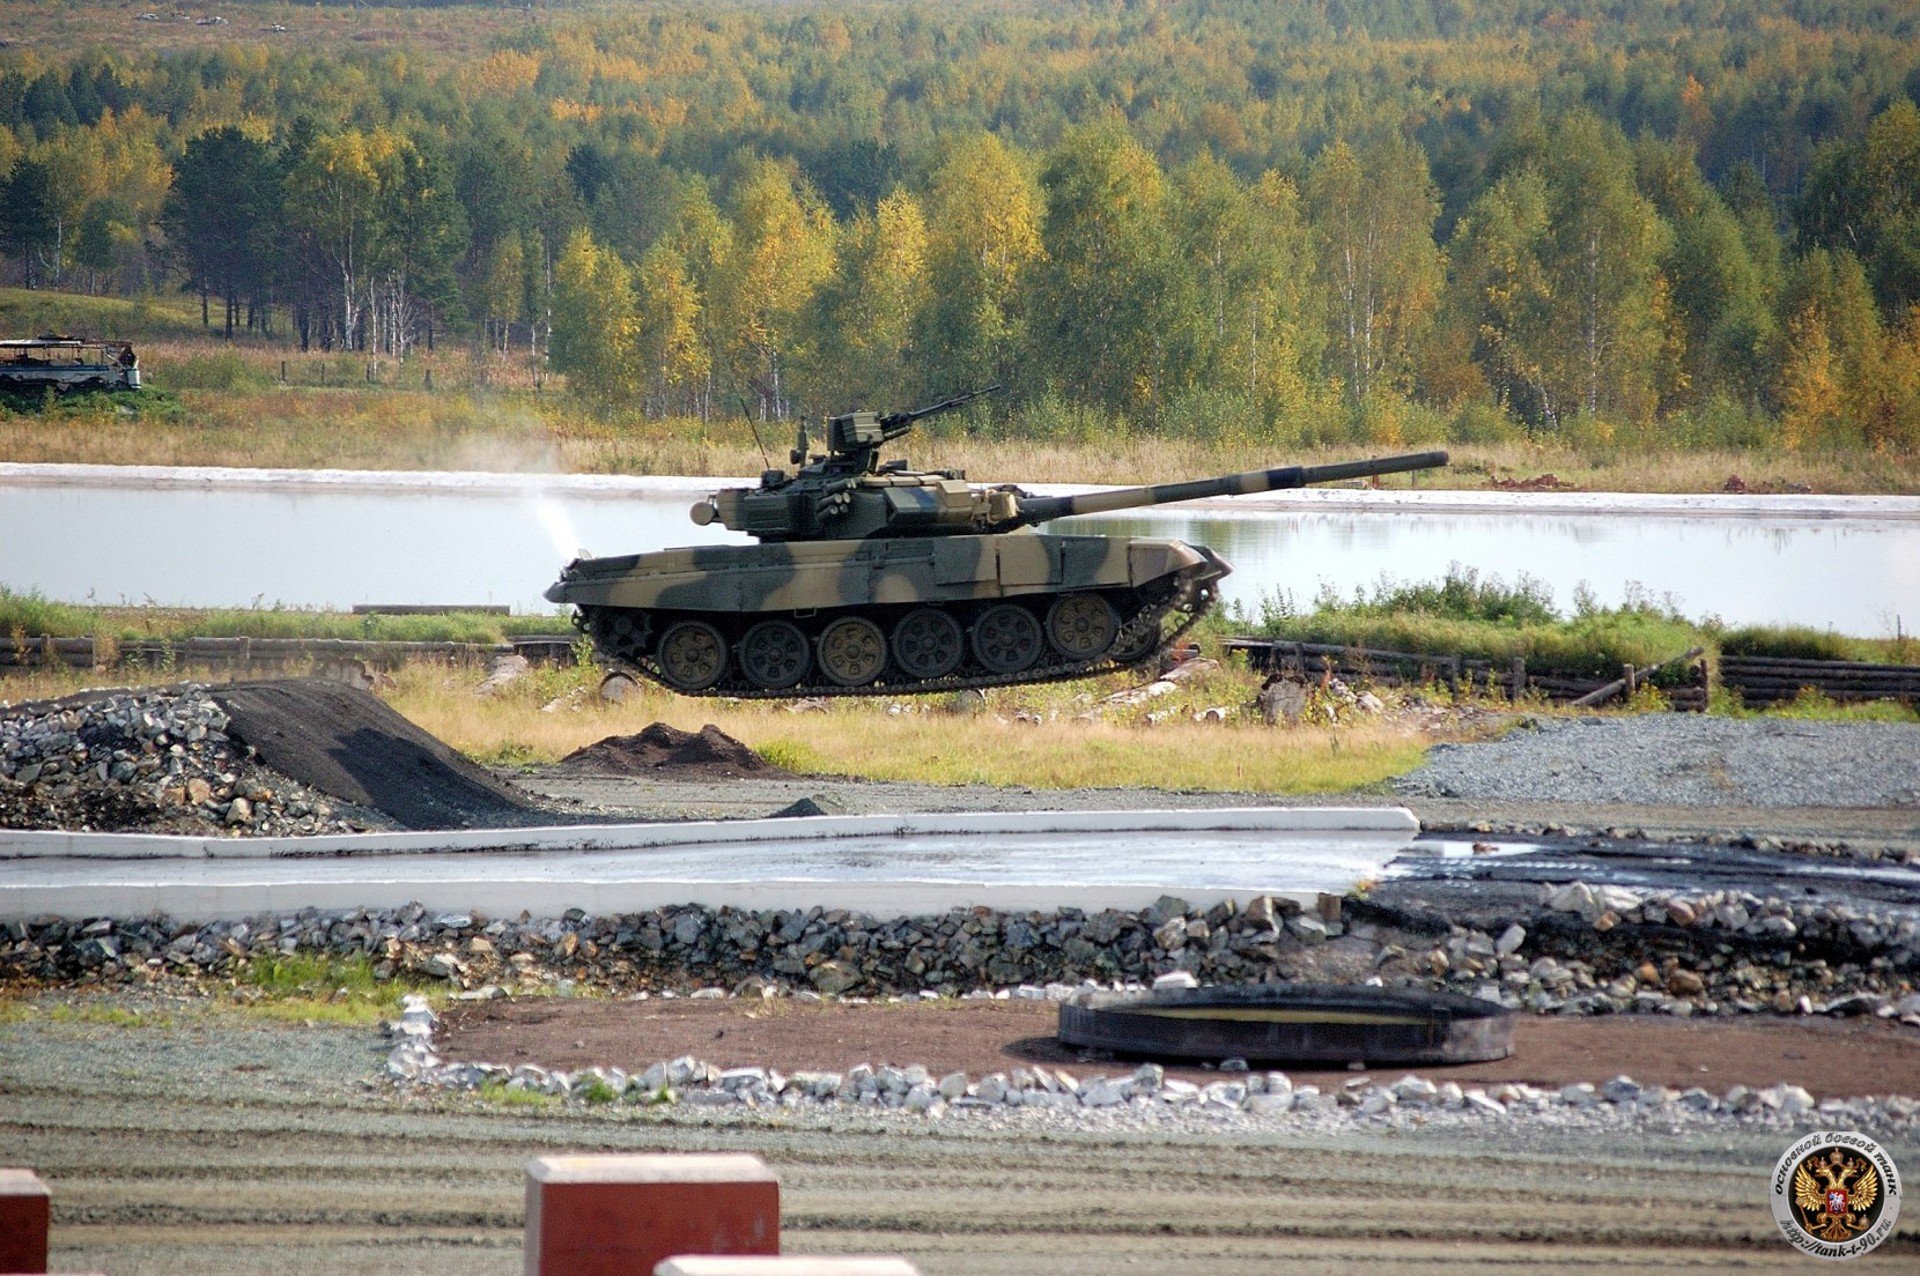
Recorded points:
(873,578)
(67,363)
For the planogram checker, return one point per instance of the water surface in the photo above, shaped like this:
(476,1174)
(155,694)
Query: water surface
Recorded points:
(226,538)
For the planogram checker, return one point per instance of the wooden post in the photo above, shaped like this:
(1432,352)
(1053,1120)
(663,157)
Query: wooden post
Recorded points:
(616,1215)
(26,1210)
(1517,678)
(1626,676)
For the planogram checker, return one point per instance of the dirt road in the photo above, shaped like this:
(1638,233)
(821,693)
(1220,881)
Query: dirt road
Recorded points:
(217,1144)
(668,797)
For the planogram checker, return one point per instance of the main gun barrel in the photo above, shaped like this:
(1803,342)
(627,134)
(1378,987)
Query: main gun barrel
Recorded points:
(1044,509)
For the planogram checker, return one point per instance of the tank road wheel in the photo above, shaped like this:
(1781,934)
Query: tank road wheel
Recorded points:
(1143,645)
(774,655)
(620,632)
(1082,626)
(693,655)
(853,651)
(927,643)
(1006,638)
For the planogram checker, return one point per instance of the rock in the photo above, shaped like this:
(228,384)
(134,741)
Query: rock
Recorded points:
(1308,930)
(1477,1101)
(1574,897)
(239,811)
(1510,940)
(1377,1102)
(1175,979)
(1621,1089)
(953,1086)
(1282,700)
(506,671)
(199,792)
(1101,1093)
(818,804)
(1684,983)
(1412,1089)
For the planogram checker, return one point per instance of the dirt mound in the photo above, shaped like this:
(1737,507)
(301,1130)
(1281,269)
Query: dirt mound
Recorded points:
(711,754)
(344,741)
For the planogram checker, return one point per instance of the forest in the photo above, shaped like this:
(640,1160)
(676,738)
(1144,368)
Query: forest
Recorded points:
(1689,223)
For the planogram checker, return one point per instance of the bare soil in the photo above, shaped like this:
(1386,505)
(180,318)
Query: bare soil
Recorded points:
(1828,1057)
(668,794)
(708,754)
(215,1144)
(344,741)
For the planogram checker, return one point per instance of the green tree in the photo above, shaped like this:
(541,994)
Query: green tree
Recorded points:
(334,196)
(1112,310)
(1373,212)
(672,346)
(781,251)
(596,323)
(1600,256)
(1500,293)
(983,236)
(422,235)
(865,311)
(220,215)
(29,224)
(1251,259)
(1863,197)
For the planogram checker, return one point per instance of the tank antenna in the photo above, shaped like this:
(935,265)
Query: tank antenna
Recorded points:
(766,463)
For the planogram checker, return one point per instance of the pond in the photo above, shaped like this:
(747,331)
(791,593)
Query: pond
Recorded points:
(225,538)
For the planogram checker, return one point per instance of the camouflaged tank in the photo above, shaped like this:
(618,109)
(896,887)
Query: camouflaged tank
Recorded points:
(872,578)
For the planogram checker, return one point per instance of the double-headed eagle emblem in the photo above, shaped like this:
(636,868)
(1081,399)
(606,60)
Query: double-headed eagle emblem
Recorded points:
(1834,1197)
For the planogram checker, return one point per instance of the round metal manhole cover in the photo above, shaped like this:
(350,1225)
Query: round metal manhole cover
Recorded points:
(1291,1023)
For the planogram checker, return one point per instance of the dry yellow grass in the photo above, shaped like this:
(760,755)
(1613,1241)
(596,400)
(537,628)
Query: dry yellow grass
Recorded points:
(305,426)
(1023,737)
(1027,737)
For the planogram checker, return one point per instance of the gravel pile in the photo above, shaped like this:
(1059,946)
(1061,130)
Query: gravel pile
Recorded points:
(1682,759)
(1144,1096)
(1587,950)
(159,762)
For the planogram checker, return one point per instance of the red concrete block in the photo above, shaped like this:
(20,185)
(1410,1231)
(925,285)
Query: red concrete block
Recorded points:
(622,1215)
(26,1209)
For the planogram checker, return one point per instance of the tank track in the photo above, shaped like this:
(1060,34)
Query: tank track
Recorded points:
(1191,599)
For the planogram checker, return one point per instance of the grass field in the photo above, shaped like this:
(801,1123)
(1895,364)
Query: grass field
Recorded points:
(259,403)
(30,616)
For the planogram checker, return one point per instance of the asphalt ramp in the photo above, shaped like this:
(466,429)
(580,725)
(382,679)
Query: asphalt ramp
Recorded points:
(344,741)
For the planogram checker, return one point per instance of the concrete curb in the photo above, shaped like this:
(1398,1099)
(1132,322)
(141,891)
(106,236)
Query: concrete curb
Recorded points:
(885,866)
(18,844)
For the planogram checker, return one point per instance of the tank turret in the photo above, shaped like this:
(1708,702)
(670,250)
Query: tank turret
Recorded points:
(872,578)
(848,494)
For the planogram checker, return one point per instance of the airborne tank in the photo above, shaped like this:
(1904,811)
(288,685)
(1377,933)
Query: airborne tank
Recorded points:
(872,578)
